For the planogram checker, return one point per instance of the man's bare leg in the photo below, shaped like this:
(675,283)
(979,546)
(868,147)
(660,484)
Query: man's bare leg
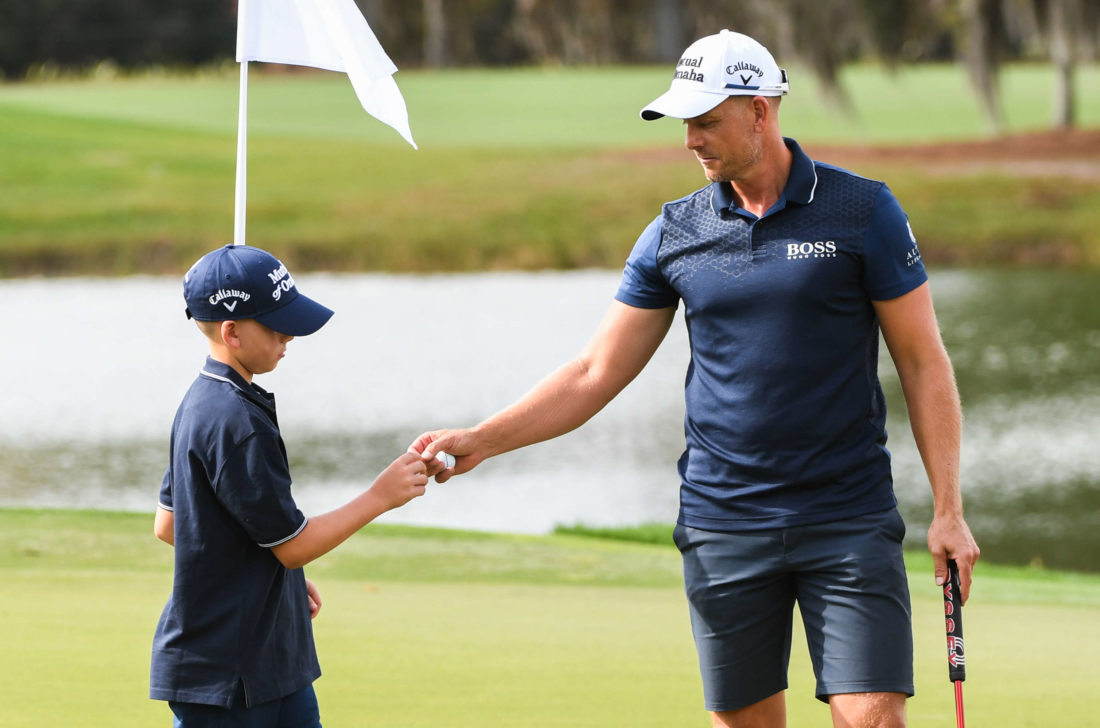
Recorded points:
(771,712)
(868,710)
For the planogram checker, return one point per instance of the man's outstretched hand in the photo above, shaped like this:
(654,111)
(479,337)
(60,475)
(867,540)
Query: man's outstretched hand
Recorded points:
(461,444)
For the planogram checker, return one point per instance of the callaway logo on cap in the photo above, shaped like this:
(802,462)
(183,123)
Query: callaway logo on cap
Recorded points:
(242,282)
(714,67)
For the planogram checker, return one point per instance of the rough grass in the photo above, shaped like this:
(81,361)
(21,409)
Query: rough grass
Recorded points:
(428,626)
(520,169)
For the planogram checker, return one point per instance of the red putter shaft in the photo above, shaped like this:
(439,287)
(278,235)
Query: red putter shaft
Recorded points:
(956,654)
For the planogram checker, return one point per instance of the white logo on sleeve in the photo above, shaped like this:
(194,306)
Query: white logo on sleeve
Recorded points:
(913,256)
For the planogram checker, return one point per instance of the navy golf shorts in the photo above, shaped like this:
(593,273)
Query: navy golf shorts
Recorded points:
(848,579)
(297,710)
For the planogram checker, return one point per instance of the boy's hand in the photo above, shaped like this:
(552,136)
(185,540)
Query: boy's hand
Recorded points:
(405,479)
(314,599)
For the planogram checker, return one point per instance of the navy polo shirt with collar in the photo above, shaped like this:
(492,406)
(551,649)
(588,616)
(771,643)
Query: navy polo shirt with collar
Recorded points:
(237,619)
(785,417)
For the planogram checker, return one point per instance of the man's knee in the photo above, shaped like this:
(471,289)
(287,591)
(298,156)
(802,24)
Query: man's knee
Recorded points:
(771,712)
(868,710)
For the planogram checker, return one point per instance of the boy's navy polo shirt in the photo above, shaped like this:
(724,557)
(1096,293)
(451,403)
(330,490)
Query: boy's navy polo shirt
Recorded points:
(237,616)
(786,418)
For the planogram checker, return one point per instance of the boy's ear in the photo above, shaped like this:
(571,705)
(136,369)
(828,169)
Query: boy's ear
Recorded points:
(230,336)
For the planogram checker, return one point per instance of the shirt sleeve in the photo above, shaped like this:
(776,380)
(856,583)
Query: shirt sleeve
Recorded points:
(642,284)
(891,259)
(254,486)
(165,498)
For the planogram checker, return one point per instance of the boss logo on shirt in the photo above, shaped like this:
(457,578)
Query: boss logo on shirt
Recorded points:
(817,249)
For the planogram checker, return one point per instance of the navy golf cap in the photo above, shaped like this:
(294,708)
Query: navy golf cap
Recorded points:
(242,282)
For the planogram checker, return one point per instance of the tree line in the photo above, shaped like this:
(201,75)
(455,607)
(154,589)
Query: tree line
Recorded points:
(820,35)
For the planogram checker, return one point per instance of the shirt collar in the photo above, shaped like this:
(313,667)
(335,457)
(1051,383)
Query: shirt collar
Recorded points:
(802,182)
(800,187)
(214,369)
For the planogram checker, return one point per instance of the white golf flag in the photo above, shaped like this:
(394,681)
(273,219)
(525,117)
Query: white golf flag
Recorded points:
(329,34)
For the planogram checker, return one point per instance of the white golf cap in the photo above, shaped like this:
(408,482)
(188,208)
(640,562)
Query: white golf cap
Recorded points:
(714,67)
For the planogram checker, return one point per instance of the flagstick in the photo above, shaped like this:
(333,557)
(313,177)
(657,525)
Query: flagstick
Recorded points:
(241,192)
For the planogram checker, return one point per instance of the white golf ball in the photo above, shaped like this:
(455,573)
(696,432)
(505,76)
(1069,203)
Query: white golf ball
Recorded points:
(446,458)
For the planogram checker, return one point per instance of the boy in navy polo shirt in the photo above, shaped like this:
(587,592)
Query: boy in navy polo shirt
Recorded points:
(234,645)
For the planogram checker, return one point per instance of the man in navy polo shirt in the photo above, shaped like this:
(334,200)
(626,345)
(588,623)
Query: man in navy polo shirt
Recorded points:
(234,645)
(788,269)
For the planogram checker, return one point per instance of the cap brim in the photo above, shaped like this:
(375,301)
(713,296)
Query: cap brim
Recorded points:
(300,317)
(682,104)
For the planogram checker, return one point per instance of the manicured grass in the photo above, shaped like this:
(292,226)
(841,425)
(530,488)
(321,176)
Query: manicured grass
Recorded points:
(425,627)
(519,169)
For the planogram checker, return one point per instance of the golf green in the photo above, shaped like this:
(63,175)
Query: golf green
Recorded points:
(426,626)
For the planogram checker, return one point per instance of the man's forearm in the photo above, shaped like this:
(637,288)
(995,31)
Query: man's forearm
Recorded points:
(622,345)
(562,402)
(935,416)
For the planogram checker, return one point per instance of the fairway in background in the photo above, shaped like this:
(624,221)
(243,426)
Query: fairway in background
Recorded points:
(525,169)
(562,108)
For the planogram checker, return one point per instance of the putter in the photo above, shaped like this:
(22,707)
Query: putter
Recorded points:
(956,655)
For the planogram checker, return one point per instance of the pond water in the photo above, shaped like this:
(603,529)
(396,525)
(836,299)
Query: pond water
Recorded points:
(93,370)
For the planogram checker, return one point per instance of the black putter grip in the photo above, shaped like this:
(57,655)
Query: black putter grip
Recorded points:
(952,614)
